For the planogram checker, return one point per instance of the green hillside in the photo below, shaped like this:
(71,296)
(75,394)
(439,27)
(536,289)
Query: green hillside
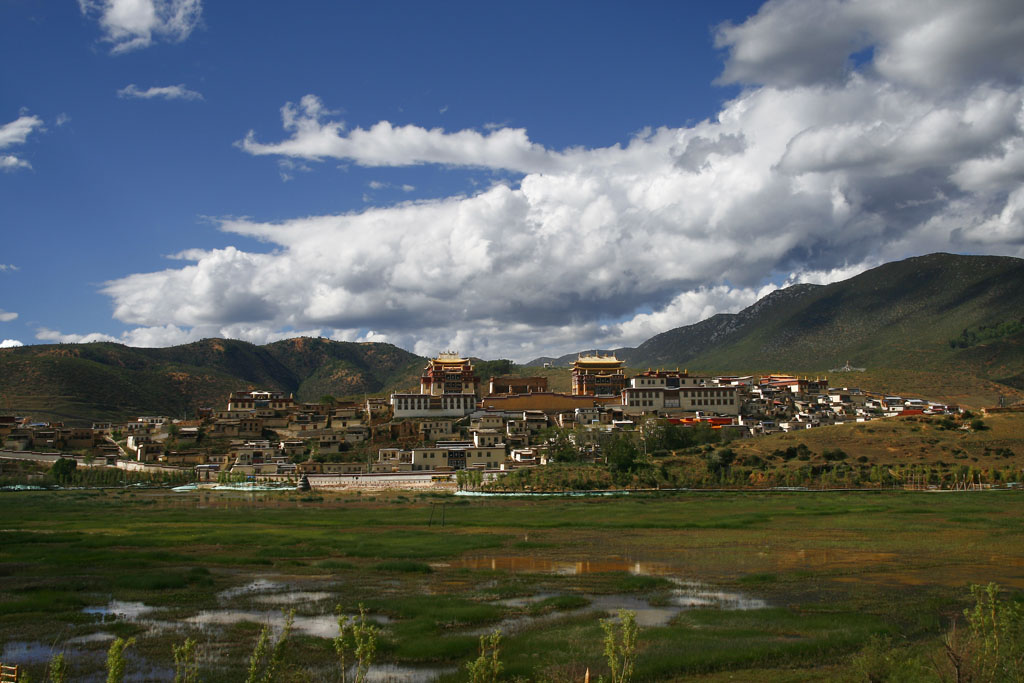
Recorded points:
(934,313)
(80,383)
(901,315)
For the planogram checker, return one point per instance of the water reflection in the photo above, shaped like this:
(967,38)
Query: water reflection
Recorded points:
(321,626)
(253,587)
(686,595)
(119,609)
(536,565)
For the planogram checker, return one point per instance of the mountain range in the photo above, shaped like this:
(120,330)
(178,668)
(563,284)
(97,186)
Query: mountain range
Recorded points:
(940,313)
(105,381)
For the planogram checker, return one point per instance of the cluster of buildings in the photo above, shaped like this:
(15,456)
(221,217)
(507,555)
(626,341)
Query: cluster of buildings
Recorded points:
(23,434)
(455,422)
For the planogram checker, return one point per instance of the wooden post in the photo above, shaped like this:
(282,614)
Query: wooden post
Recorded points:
(432,508)
(8,673)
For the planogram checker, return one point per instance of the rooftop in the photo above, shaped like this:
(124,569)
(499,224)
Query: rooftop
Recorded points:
(598,359)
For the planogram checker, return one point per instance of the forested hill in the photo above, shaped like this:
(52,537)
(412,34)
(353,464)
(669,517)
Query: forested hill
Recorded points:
(80,383)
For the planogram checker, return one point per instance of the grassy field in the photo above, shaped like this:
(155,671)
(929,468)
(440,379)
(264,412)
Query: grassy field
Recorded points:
(911,440)
(820,577)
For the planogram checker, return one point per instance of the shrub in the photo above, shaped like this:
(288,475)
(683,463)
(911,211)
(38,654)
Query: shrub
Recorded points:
(620,648)
(116,661)
(487,667)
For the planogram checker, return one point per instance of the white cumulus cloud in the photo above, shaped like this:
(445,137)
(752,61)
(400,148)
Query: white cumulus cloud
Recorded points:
(164,92)
(133,24)
(847,148)
(16,133)
(7,316)
(9,162)
(315,136)
(10,343)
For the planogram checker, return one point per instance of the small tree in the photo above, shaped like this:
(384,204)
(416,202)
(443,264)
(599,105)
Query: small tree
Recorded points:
(57,669)
(363,638)
(63,469)
(117,663)
(620,648)
(622,454)
(997,632)
(560,446)
(186,666)
(487,667)
(265,660)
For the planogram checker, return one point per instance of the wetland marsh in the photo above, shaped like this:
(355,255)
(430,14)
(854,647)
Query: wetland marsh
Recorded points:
(769,586)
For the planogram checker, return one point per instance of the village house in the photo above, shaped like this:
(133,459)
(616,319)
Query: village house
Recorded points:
(241,428)
(377,408)
(432,430)
(674,391)
(307,422)
(356,433)
(314,467)
(135,441)
(188,458)
(291,448)
(488,420)
(101,428)
(135,428)
(487,437)
(255,400)
(327,443)
(343,418)
(443,456)
(222,461)
(19,440)
(246,454)
(75,438)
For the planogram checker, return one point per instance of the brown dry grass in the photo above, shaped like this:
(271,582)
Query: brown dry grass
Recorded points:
(909,440)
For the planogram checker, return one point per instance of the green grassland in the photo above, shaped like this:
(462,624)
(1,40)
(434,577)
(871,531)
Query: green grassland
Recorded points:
(833,571)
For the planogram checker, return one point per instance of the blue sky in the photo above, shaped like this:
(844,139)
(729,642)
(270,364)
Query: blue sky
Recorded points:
(504,180)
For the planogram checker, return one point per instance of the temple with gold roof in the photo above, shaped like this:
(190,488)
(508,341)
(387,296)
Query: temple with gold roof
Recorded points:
(597,375)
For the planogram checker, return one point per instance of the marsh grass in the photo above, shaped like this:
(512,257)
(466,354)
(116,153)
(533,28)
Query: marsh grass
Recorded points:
(558,603)
(839,568)
(407,566)
(757,579)
(709,640)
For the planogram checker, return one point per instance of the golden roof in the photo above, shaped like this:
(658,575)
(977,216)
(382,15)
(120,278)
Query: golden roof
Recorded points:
(598,359)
